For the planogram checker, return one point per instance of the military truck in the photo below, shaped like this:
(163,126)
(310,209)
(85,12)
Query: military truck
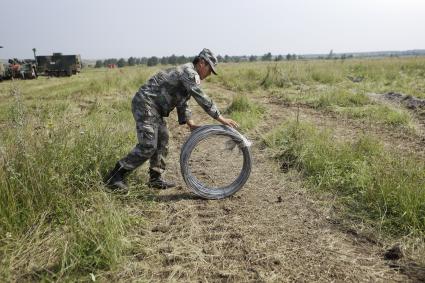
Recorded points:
(59,65)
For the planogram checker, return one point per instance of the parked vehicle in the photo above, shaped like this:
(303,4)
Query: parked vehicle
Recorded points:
(22,69)
(59,65)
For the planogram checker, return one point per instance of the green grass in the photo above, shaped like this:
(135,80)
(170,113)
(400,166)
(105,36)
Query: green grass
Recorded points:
(59,136)
(381,113)
(378,186)
(49,177)
(245,112)
(404,75)
(338,97)
(326,84)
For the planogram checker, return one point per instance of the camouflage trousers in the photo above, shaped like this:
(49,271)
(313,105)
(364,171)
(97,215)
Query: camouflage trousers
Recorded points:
(152,136)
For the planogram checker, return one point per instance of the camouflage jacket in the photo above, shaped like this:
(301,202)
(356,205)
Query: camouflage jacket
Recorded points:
(173,88)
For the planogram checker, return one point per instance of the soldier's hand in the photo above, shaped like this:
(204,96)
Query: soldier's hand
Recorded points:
(192,126)
(228,122)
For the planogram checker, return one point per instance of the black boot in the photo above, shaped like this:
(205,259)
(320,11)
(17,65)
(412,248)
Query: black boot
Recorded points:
(155,181)
(114,181)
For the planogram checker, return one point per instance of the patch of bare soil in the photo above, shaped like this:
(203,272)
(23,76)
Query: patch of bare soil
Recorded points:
(273,230)
(408,101)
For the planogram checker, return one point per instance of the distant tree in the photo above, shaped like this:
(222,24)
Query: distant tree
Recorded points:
(138,61)
(181,59)
(152,61)
(331,54)
(227,58)
(291,57)
(267,57)
(252,58)
(131,61)
(99,64)
(172,60)
(278,58)
(121,63)
(164,60)
(220,58)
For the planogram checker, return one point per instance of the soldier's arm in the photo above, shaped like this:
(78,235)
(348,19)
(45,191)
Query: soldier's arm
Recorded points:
(205,102)
(208,105)
(192,85)
(184,113)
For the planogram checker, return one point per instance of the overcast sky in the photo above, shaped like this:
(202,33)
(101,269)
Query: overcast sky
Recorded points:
(107,28)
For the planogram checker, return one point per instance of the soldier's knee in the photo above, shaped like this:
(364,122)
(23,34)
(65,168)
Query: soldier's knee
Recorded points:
(163,137)
(146,149)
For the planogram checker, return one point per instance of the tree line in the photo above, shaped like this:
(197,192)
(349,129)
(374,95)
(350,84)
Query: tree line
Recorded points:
(177,60)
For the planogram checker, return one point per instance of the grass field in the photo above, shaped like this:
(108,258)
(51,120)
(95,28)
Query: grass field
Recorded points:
(59,136)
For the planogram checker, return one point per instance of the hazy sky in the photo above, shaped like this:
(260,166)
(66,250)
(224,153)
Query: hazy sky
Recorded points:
(124,28)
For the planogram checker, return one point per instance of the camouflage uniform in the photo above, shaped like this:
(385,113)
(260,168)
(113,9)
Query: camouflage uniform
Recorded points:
(156,99)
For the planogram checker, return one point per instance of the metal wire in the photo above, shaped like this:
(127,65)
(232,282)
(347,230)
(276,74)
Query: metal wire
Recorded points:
(194,139)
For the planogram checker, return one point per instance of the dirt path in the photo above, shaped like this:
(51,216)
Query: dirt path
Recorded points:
(273,230)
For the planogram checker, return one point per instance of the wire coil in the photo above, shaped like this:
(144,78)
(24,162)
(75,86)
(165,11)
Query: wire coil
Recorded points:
(194,139)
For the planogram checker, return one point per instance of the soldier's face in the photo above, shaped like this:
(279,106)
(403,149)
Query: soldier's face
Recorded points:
(204,70)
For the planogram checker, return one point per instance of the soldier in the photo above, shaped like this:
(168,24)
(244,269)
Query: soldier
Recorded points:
(168,89)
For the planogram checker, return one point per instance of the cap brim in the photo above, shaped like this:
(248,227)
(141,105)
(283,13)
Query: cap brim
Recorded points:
(213,69)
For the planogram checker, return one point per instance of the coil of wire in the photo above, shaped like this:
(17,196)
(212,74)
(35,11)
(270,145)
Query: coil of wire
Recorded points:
(197,186)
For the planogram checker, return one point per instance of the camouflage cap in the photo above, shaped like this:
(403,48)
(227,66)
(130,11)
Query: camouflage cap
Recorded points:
(208,56)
